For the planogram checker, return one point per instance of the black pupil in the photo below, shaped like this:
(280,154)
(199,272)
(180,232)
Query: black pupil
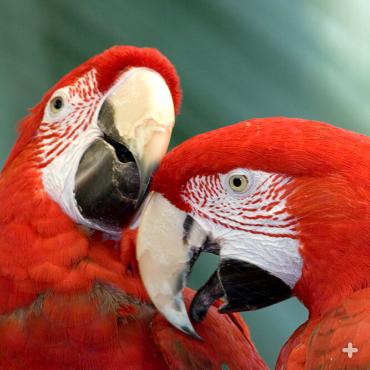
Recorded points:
(58,103)
(237,182)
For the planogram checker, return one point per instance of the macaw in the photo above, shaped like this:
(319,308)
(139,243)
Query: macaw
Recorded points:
(70,294)
(285,203)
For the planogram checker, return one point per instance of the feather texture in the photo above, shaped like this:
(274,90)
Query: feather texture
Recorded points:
(321,343)
(70,298)
(327,198)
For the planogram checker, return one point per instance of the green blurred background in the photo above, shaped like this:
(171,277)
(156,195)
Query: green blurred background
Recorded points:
(237,59)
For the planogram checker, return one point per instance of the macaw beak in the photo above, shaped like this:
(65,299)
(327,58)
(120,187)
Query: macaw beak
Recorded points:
(136,118)
(165,250)
(169,242)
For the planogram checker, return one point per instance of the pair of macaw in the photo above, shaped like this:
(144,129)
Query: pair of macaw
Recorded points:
(284,202)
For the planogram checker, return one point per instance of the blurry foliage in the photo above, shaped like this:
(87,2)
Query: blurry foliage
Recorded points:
(237,59)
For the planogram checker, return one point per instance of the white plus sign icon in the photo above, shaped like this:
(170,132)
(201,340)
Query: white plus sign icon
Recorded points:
(350,350)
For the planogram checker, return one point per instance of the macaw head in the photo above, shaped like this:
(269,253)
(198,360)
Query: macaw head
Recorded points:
(97,135)
(283,202)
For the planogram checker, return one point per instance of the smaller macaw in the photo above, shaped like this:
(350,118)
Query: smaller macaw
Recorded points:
(286,205)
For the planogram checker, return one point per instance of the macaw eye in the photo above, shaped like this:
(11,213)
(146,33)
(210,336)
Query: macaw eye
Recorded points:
(57,104)
(238,183)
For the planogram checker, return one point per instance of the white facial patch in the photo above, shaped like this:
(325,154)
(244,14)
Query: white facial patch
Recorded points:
(144,117)
(59,176)
(65,135)
(253,226)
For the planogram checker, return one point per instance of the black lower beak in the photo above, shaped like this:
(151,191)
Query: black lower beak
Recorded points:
(248,287)
(107,184)
(205,297)
(242,286)
(134,122)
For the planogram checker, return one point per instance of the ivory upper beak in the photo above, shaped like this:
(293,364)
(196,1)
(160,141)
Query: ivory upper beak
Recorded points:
(144,116)
(164,253)
(134,124)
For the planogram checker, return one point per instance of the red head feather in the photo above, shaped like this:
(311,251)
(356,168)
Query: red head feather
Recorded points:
(109,65)
(330,192)
(35,233)
(289,146)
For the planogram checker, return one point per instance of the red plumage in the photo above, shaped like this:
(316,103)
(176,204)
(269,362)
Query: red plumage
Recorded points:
(329,197)
(108,65)
(69,299)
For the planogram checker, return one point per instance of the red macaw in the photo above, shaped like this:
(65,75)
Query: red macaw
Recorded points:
(70,297)
(286,205)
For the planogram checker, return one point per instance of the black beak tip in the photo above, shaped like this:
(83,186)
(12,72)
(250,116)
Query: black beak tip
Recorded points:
(198,311)
(210,292)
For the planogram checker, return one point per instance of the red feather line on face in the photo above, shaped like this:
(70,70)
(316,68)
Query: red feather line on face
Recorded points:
(261,212)
(34,230)
(53,312)
(108,65)
(55,137)
(329,195)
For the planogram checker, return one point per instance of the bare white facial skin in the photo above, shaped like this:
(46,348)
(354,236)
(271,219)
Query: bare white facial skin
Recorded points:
(251,225)
(244,212)
(144,117)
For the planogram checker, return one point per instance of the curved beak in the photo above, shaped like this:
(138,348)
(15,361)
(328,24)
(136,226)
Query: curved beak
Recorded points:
(143,115)
(136,118)
(165,251)
(169,242)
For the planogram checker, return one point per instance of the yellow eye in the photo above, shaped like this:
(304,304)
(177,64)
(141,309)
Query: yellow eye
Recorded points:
(57,104)
(238,183)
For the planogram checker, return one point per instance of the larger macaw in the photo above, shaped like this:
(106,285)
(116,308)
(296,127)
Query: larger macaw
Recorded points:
(286,205)
(70,295)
